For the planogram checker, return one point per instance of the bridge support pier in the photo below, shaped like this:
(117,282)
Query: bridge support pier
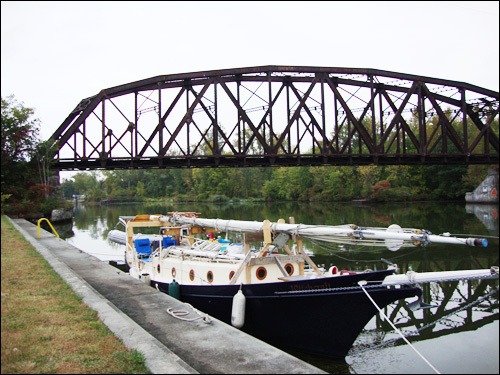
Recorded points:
(487,191)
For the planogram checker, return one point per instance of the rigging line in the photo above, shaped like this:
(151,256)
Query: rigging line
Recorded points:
(361,284)
(414,333)
(472,235)
(378,285)
(332,250)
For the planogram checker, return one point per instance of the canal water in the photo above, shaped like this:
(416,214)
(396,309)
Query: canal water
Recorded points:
(460,334)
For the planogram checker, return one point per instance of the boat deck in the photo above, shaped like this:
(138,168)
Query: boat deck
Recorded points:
(136,313)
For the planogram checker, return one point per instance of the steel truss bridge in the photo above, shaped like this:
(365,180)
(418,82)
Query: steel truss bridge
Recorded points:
(280,116)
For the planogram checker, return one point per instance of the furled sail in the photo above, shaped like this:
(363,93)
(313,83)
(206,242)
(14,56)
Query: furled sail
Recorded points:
(392,237)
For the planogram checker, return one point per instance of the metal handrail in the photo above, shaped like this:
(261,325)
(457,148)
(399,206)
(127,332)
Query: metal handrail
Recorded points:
(38,227)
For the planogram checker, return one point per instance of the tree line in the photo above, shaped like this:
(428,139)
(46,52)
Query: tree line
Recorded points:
(304,183)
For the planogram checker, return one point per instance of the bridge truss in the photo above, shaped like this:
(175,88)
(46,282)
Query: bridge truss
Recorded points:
(281,115)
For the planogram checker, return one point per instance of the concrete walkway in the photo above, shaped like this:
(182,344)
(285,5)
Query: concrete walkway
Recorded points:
(136,313)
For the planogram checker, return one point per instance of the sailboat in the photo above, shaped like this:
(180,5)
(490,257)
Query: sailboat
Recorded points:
(275,291)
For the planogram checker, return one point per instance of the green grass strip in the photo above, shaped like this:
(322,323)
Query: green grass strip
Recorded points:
(46,328)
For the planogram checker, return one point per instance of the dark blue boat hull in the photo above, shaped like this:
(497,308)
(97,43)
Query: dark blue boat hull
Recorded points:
(319,316)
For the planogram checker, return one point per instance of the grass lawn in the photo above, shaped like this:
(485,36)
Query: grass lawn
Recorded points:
(46,328)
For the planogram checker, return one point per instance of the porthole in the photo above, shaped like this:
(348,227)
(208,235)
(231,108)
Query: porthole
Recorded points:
(191,275)
(231,274)
(173,272)
(289,269)
(158,268)
(261,273)
(210,276)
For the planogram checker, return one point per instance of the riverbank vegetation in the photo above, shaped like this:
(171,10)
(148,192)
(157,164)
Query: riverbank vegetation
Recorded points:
(26,186)
(324,183)
(46,328)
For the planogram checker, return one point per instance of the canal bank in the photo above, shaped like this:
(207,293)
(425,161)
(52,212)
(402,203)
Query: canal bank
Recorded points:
(136,313)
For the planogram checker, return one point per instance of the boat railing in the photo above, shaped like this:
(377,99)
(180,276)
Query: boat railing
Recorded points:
(201,255)
(206,245)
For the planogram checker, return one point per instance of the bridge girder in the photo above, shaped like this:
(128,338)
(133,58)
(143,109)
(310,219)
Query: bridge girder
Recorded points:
(281,116)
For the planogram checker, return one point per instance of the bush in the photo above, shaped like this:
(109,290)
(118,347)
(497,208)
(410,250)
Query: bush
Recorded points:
(379,188)
(218,198)
(4,198)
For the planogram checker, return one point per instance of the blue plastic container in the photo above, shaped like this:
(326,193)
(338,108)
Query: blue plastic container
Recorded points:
(169,241)
(143,246)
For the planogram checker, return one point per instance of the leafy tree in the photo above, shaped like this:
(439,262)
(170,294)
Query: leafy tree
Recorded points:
(44,156)
(18,141)
(475,175)
(24,159)
(141,191)
(445,182)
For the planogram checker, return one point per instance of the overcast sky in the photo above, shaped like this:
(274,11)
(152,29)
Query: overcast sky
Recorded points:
(56,53)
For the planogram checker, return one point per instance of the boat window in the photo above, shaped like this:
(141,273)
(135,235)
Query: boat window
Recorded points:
(231,274)
(261,273)
(158,268)
(173,272)
(210,276)
(289,269)
(191,275)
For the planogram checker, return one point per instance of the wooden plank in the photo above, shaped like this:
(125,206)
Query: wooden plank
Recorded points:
(292,221)
(287,249)
(270,260)
(248,274)
(137,224)
(311,263)
(267,232)
(241,268)
(253,237)
(280,266)
(299,247)
(263,251)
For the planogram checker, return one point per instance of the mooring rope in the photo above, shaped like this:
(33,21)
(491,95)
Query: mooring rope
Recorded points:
(414,333)
(361,284)
(179,313)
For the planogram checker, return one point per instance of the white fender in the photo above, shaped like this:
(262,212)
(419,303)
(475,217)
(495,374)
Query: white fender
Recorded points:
(238,312)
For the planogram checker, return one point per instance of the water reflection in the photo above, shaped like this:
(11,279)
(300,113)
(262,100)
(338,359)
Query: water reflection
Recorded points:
(461,308)
(487,214)
(441,341)
(456,306)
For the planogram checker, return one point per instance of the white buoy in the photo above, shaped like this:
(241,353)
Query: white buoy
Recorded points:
(238,312)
